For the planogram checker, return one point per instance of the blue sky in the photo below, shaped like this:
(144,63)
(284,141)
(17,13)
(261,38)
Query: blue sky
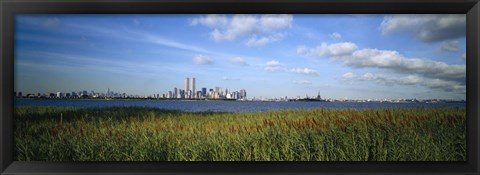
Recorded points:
(343,56)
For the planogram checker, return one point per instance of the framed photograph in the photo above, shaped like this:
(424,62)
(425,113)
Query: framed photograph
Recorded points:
(242,87)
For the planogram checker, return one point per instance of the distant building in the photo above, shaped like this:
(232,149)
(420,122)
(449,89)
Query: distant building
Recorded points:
(198,94)
(204,92)
(175,93)
(193,87)
(218,89)
(243,94)
(187,84)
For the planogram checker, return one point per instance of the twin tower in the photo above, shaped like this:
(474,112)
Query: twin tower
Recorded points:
(190,85)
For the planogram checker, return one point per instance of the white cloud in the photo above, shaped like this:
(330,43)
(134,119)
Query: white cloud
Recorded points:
(230,78)
(408,80)
(304,82)
(200,59)
(433,84)
(225,29)
(305,71)
(273,66)
(302,50)
(387,60)
(240,25)
(427,28)
(463,57)
(443,85)
(450,46)
(328,50)
(335,35)
(211,20)
(273,63)
(254,41)
(348,76)
(238,61)
(393,61)
(170,43)
(138,36)
(275,22)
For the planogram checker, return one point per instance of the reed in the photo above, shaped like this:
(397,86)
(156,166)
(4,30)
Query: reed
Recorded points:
(148,134)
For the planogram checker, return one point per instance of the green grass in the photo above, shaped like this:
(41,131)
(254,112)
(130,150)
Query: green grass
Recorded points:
(147,134)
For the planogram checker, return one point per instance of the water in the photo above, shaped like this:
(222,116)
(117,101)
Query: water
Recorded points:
(226,106)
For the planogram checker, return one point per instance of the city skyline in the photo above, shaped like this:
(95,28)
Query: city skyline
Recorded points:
(352,56)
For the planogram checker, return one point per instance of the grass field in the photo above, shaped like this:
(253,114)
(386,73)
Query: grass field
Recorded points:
(147,134)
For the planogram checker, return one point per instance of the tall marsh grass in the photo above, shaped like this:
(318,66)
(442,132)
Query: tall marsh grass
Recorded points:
(148,134)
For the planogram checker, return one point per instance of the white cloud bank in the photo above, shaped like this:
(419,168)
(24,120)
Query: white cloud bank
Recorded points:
(389,60)
(434,74)
(426,28)
(225,29)
(435,84)
(328,50)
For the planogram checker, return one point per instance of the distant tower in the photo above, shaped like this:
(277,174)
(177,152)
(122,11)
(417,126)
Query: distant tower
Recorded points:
(318,96)
(187,84)
(193,86)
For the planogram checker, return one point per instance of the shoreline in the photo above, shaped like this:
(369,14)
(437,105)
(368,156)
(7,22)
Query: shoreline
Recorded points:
(234,100)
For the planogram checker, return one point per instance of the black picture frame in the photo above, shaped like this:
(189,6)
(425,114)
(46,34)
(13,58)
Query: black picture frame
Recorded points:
(9,8)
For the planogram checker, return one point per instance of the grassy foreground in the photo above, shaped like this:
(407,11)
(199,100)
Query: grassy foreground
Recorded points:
(147,134)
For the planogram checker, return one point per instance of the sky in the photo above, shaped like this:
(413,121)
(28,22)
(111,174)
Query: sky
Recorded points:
(340,56)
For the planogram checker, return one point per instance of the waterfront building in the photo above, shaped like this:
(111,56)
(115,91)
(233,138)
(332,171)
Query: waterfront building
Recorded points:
(198,94)
(178,94)
(193,87)
(243,94)
(204,92)
(218,89)
(187,84)
(175,93)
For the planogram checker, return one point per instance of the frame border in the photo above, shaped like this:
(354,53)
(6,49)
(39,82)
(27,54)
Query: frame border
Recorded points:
(9,8)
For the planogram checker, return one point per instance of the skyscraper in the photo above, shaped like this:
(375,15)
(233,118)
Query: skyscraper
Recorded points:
(187,84)
(204,92)
(175,93)
(193,86)
(243,94)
